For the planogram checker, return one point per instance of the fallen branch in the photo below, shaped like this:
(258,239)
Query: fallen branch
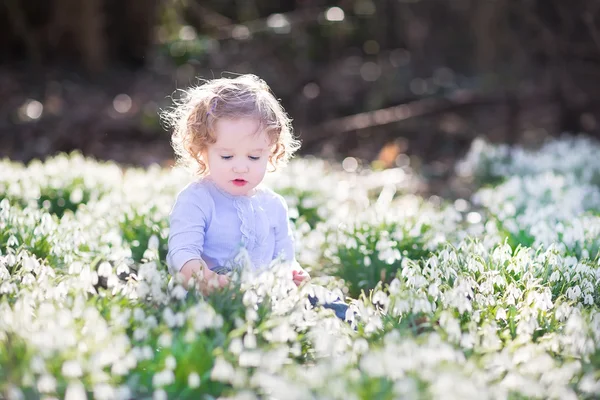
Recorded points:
(418,108)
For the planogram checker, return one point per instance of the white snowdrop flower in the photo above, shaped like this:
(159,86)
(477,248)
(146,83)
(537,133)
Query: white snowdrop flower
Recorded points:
(382,299)
(159,394)
(236,346)
(433,290)
(179,292)
(138,314)
(222,371)
(194,380)
(170,362)
(4,274)
(71,369)
(165,340)
(169,317)
(574,292)
(360,346)
(147,352)
(46,384)
(12,242)
(562,312)
(589,384)
(501,314)
(250,359)
(490,340)
(527,323)
(394,286)
(29,264)
(151,321)
(499,281)
(422,305)
(372,365)
(104,391)
(513,294)
(281,333)
(140,334)
(28,280)
(153,242)
(451,325)
(163,378)
(467,340)
(75,391)
(105,269)
(555,276)
(123,393)
(250,341)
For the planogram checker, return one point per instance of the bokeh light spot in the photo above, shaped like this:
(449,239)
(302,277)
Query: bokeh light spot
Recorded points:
(187,33)
(461,205)
(399,57)
(370,71)
(334,14)
(418,86)
(371,47)
(279,23)
(350,164)
(240,32)
(122,103)
(473,217)
(311,90)
(33,109)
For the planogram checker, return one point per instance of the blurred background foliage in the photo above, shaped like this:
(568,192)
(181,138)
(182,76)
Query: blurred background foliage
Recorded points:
(375,80)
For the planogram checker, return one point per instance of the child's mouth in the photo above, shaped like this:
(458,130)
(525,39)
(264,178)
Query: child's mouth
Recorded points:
(239,182)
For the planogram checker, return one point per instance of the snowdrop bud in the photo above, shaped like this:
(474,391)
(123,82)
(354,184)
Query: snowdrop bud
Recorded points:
(104,391)
(75,391)
(165,340)
(71,369)
(105,269)
(163,378)
(222,370)
(46,384)
(153,242)
(501,314)
(193,380)
(159,394)
(170,362)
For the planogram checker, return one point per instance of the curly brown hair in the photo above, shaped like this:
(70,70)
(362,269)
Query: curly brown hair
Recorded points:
(194,115)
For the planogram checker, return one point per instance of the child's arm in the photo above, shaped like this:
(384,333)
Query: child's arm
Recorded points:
(187,223)
(284,242)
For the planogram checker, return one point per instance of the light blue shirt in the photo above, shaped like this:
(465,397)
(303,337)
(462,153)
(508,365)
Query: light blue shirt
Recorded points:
(209,223)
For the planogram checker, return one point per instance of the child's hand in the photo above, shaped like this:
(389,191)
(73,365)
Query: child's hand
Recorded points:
(300,276)
(206,280)
(212,281)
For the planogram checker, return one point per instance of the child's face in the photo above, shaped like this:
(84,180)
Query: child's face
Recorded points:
(237,161)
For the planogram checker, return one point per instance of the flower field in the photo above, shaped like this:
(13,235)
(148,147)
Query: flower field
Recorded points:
(496,296)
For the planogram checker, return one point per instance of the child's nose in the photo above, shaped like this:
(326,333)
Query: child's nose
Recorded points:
(240,167)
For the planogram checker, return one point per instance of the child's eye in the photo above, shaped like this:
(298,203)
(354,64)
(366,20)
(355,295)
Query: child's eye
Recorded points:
(254,158)
(226,157)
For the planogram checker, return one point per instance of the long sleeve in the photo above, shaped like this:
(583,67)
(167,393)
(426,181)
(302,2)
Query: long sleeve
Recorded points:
(188,222)
(284,236)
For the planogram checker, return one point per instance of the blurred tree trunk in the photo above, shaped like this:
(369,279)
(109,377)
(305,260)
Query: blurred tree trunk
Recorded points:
(91,33)
(92,40)
(484,29)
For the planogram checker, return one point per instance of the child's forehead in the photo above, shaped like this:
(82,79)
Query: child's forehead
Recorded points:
(247,133)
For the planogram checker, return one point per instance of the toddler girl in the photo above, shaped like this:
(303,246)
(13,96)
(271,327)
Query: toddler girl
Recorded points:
(231,131)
